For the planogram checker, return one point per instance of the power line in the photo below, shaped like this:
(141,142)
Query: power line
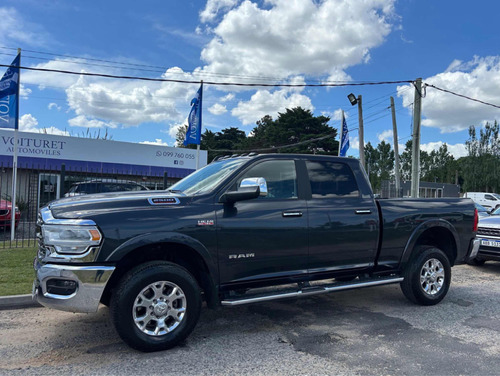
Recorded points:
(461,95)
(339,84)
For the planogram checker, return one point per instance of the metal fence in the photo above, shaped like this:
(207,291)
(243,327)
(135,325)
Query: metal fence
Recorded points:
(36,187)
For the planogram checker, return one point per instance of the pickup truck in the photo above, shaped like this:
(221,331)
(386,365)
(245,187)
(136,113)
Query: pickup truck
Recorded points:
(243,229)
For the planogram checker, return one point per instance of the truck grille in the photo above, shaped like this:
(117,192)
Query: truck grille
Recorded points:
(488,231)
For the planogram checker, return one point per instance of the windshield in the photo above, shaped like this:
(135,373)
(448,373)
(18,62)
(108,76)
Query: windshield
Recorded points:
(496,195)
(206,179)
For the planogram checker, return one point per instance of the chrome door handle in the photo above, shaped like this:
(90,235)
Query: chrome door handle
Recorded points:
(363,211)
(292,214)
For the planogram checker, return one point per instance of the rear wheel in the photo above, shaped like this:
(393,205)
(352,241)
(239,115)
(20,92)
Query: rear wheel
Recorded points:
(156,306)
(427,276)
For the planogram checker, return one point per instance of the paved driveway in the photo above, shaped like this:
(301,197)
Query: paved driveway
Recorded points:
(369,332)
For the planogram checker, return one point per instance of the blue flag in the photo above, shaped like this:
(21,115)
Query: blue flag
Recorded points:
(193,132)
(344,141)
(9,95)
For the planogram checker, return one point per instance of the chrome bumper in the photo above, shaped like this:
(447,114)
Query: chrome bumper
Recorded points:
(90,283)
(475,249)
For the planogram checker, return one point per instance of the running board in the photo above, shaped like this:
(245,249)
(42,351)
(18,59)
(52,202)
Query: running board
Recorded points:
(310,290)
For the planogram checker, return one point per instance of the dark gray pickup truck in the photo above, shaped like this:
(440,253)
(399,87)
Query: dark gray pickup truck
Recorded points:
(242,230)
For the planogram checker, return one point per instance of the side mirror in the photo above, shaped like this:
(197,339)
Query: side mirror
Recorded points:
(252,182)
(250,188)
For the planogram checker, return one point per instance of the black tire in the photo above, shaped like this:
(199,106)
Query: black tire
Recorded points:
(140,286)
(435,285)
(476,262)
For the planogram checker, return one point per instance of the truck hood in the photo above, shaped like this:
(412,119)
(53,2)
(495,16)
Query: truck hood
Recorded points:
(490,221)
(87,205)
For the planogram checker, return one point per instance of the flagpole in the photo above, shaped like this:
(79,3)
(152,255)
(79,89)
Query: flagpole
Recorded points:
(198,146)
(341,131)
(14,161)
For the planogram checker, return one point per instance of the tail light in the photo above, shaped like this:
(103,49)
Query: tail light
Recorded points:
(476,220)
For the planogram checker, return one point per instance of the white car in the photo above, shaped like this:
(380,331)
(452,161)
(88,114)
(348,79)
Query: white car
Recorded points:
(488,200)
(488,232)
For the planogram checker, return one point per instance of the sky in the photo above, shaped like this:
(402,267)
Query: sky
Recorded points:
(449,44)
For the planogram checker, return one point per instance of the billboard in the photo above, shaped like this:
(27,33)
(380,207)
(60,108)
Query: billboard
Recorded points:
(39,145)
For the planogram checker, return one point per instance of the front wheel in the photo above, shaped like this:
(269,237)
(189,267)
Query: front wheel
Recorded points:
(156,306)
(427,276)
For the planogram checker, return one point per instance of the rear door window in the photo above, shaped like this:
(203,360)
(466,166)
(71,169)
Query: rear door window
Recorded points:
(331,179)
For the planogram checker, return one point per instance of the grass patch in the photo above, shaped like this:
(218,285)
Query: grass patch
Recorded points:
(16,271)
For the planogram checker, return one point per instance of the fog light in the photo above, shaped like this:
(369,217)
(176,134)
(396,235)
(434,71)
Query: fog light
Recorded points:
(61,287)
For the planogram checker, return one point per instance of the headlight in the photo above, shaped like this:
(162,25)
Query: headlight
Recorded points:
(70,238)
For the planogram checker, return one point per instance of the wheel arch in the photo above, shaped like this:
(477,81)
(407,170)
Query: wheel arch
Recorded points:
(181,250)
(439,233)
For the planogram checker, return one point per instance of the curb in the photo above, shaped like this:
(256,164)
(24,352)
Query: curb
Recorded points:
(17,301)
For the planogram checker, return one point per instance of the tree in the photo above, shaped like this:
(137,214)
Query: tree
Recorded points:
(380,163)
(292,127)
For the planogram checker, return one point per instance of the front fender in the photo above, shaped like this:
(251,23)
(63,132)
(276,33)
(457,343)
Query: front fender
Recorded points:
(420,229)
(152,238)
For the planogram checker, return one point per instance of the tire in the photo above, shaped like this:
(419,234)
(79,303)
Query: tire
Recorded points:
(166,296)
(476,262)
(427,276)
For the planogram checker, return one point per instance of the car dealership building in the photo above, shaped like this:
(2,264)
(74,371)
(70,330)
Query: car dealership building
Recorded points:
(48,164)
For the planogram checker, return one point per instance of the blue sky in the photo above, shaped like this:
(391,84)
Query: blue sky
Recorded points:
(451,44)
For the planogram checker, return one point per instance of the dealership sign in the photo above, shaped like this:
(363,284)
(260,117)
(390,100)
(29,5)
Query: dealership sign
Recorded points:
(39,145)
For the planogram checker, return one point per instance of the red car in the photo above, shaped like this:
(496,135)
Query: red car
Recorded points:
(5,213)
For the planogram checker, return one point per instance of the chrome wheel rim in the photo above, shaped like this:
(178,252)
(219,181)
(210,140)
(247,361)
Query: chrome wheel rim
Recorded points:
(432,276)
(159,308)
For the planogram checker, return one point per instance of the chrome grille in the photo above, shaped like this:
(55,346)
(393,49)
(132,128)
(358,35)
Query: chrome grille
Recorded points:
(488,231)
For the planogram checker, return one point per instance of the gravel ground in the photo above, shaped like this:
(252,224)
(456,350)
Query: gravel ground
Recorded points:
(372,331)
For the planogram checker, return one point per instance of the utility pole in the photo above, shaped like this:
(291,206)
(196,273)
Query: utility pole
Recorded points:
(397,171)
(361,133)
(415,152)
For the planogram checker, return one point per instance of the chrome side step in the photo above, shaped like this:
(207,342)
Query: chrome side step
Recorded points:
(308,291)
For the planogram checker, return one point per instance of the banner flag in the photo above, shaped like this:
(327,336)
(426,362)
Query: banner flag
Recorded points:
(9,95)
(193,133)
(344,143)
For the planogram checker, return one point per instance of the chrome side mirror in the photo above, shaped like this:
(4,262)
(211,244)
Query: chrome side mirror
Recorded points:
(255,182)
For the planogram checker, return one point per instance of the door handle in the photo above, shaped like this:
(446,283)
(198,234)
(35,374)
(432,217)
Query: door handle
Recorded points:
(363,211)
(292,214)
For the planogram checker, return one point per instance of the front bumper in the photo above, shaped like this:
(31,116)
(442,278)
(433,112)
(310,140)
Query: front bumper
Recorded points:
(89,282)
(474,249)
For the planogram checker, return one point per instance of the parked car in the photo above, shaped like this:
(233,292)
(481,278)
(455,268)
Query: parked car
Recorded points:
(6,214)
(488,200)
(488,234)
(295,225)
(103,186)
(481,210)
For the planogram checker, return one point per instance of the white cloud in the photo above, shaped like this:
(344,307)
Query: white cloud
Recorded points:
(85,122)
(217,109)
(354,143)
(132,103)
(52,106)
(264,102)
(14,29)
(385,136)
(457,150)
(285,37)
(213,7)
(28,123)
(227,98)
(157,141)
(24,92)
(478,78)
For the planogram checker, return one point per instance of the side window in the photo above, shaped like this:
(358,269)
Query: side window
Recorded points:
(331,179)
(489,197)
(280,176)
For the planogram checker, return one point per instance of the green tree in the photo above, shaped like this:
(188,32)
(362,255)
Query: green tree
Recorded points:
(380,163)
